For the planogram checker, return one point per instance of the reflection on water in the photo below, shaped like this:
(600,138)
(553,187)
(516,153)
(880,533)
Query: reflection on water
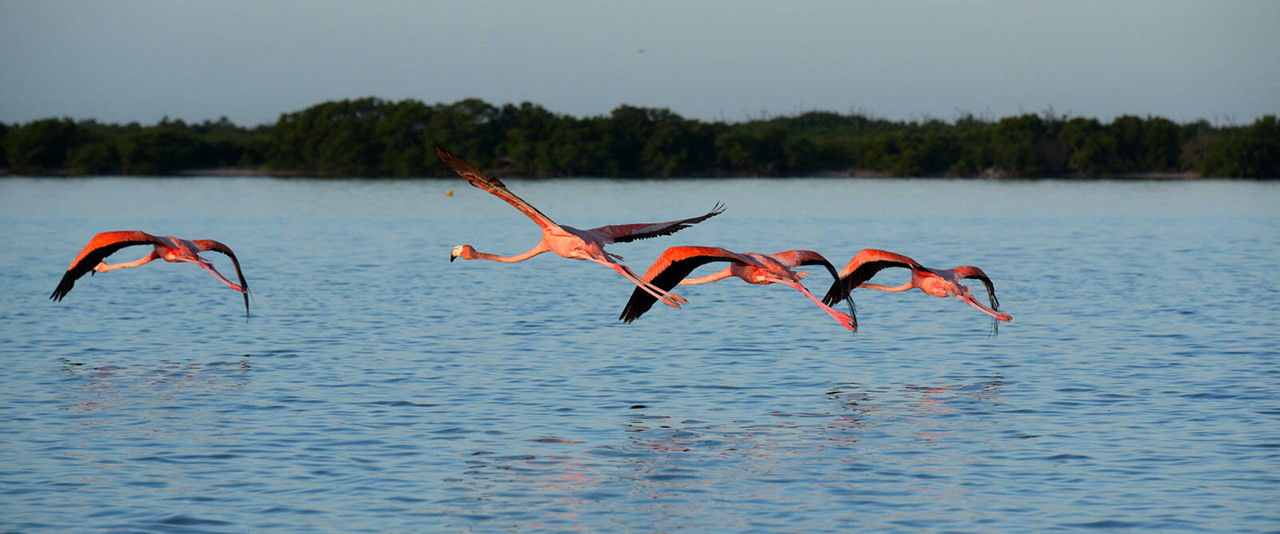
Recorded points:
(389,390)
(679,469)
(104,393)
(102,388)
(165,413)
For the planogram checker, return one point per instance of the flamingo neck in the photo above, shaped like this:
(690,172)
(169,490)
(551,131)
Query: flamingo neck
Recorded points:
(503,259)
(477,255)
(708,278)
(893,289)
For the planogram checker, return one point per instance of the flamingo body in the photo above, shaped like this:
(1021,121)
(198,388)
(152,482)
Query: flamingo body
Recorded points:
(168,248)
(676,263)
(566,241)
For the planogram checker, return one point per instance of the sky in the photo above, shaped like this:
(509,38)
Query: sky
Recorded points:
(122,61)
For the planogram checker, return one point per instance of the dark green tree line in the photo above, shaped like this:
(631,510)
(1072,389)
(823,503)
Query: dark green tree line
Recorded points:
(376,137)
(88,147)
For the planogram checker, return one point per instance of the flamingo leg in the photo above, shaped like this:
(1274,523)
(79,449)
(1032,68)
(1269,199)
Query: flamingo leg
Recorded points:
(209,267)
(102,267)
(844,319)
(668,298)
(999,316)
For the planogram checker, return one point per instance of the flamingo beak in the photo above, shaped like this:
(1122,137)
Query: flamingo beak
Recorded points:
(1000,316)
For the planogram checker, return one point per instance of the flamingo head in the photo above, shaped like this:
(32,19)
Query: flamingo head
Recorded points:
(463,251)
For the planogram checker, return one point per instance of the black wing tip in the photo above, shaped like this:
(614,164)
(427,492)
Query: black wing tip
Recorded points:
(64,287)
(834,295)
(632,311)
(639,303)
(628,315)
(680,225)
(715,210)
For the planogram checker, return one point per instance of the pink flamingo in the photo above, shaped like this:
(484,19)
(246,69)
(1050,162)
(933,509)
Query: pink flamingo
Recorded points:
(676,263)
(567,241)
(168,248)
(936,282)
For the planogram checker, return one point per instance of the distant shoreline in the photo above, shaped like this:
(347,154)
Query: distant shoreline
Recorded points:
(257,172)
(380,138)
(377,138)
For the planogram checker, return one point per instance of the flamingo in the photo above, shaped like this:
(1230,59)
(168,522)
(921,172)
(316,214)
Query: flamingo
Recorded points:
(168,248)
(566,241)
(676,263)
(936,282)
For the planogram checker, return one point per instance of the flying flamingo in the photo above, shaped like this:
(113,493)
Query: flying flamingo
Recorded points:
(167,248)
(567,241)
(937,282)
(676,263)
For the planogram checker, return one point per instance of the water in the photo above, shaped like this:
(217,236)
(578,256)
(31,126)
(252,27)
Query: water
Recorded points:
(380,388)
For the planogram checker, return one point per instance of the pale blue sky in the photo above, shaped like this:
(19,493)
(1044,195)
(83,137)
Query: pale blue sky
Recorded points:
(250,60)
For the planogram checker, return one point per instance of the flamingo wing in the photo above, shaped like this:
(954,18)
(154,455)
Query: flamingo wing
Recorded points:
(101,246)
(209,244)
(797,258)
(974,273)
(864,265)
(666,273)
(623,233)
(494,186)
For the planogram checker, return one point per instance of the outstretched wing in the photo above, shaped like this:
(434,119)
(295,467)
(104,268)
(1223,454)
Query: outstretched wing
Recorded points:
(864,265)
(797,258)
(623,233)
(209,244)
(670,268)
(971,272)
(101,246)
(494,186)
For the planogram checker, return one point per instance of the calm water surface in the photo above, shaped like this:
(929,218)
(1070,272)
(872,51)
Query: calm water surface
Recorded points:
(380,388)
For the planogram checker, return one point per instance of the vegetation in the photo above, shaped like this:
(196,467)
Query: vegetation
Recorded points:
(375,137)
